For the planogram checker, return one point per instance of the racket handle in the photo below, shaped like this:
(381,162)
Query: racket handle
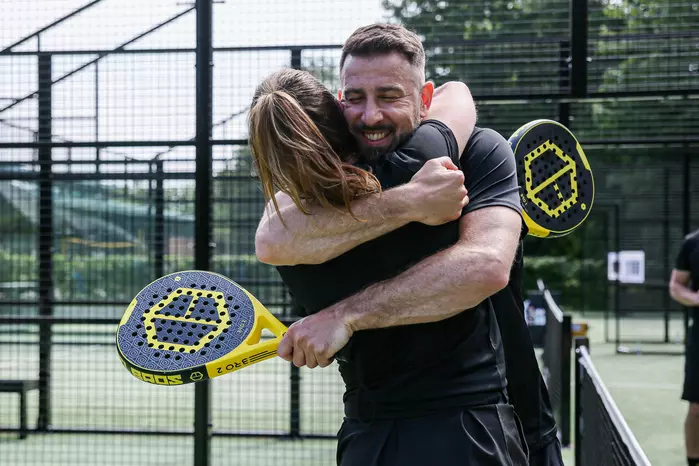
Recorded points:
(252,351)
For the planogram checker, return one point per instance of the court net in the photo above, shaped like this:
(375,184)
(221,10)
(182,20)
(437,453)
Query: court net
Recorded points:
(602,436)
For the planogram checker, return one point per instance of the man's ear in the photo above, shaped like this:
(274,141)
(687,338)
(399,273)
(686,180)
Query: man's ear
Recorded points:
(426,99)
(339,95)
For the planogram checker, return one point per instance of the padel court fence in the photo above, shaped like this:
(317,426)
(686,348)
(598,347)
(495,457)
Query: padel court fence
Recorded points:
(123,157)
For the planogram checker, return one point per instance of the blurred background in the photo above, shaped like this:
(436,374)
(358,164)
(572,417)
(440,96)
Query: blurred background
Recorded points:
(123,157)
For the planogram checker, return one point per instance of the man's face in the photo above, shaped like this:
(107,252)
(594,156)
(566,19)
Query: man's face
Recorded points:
(383,101)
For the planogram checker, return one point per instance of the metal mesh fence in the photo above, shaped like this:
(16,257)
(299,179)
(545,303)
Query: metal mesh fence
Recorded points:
(99,140)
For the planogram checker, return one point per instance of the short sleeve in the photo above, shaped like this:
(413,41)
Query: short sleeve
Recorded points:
(682,260)
(490,170)
(432,139)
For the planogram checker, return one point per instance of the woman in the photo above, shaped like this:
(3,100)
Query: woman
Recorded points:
(302,146)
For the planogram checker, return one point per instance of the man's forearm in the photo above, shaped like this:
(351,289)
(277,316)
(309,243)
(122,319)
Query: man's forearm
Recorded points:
(328,233)
(437,288)
(684,295)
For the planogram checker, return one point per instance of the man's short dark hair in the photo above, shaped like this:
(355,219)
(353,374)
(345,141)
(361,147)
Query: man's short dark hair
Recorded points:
(383,38)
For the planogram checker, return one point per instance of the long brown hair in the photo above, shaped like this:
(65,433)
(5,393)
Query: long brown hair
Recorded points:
(301,144)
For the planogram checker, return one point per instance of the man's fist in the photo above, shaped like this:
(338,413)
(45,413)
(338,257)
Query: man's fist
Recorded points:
(439,192)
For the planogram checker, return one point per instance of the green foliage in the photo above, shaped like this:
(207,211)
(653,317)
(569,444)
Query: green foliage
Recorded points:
(120,277)
(580,281)
(11,220)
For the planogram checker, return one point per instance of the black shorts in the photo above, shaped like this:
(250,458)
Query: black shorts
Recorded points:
(690,389)
(549,455)
(488,435)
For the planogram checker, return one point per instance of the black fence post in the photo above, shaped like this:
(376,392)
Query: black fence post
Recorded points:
(295,372)
(564,70)
(45,239)
(666,249)
(617,282)
(578,48)
(580,341)
(296,58)
(566,348)
(686,217)
(202,230)
(159,227)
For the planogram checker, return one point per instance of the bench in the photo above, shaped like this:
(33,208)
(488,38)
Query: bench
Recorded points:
(21,387)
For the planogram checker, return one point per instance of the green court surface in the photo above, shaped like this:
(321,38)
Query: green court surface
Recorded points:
(646,387)
(91,390)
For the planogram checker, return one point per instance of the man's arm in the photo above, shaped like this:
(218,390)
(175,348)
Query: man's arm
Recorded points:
(453,105)
(444,284)
(438,287)
(435,195)
(679,288)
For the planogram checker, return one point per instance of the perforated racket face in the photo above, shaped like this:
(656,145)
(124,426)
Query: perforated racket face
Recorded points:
(555,177)
(183,321)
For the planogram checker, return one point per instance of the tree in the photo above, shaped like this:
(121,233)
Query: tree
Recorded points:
(503,58)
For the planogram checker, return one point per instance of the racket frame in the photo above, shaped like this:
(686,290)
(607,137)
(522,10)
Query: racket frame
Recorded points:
(251,351)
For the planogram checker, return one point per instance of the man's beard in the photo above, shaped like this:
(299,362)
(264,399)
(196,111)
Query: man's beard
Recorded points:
(372,153)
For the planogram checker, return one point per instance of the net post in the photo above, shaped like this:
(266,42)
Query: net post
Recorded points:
(202,231)
(577,442)
(45,237)
(566,349)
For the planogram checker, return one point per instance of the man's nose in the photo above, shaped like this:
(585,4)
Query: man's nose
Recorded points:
(372,114)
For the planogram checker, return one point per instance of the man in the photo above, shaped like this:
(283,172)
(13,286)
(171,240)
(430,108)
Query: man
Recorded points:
(683,289)
(434,313)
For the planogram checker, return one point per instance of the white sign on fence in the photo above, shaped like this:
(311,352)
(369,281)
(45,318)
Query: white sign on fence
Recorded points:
(626,266)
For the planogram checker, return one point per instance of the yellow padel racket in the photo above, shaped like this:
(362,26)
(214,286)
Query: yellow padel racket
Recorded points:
(558,188)
(194,325)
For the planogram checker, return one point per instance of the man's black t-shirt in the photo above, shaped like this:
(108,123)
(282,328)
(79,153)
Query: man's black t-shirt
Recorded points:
(413,369)
(525,384)
(688,258)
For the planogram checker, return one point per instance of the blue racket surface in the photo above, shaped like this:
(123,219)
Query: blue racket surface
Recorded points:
(193,325)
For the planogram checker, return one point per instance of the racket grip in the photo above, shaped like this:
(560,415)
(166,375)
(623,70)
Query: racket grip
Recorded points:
(252,351)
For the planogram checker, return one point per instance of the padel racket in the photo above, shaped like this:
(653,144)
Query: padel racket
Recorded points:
(558,188)
(194,325)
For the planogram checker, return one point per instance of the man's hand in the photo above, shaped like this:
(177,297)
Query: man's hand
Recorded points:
(314,340)
(439,192)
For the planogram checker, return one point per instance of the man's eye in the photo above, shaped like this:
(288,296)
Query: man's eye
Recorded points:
(353,100)
(390,98)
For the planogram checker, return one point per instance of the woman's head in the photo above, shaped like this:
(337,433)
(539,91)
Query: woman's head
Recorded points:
(301,144)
